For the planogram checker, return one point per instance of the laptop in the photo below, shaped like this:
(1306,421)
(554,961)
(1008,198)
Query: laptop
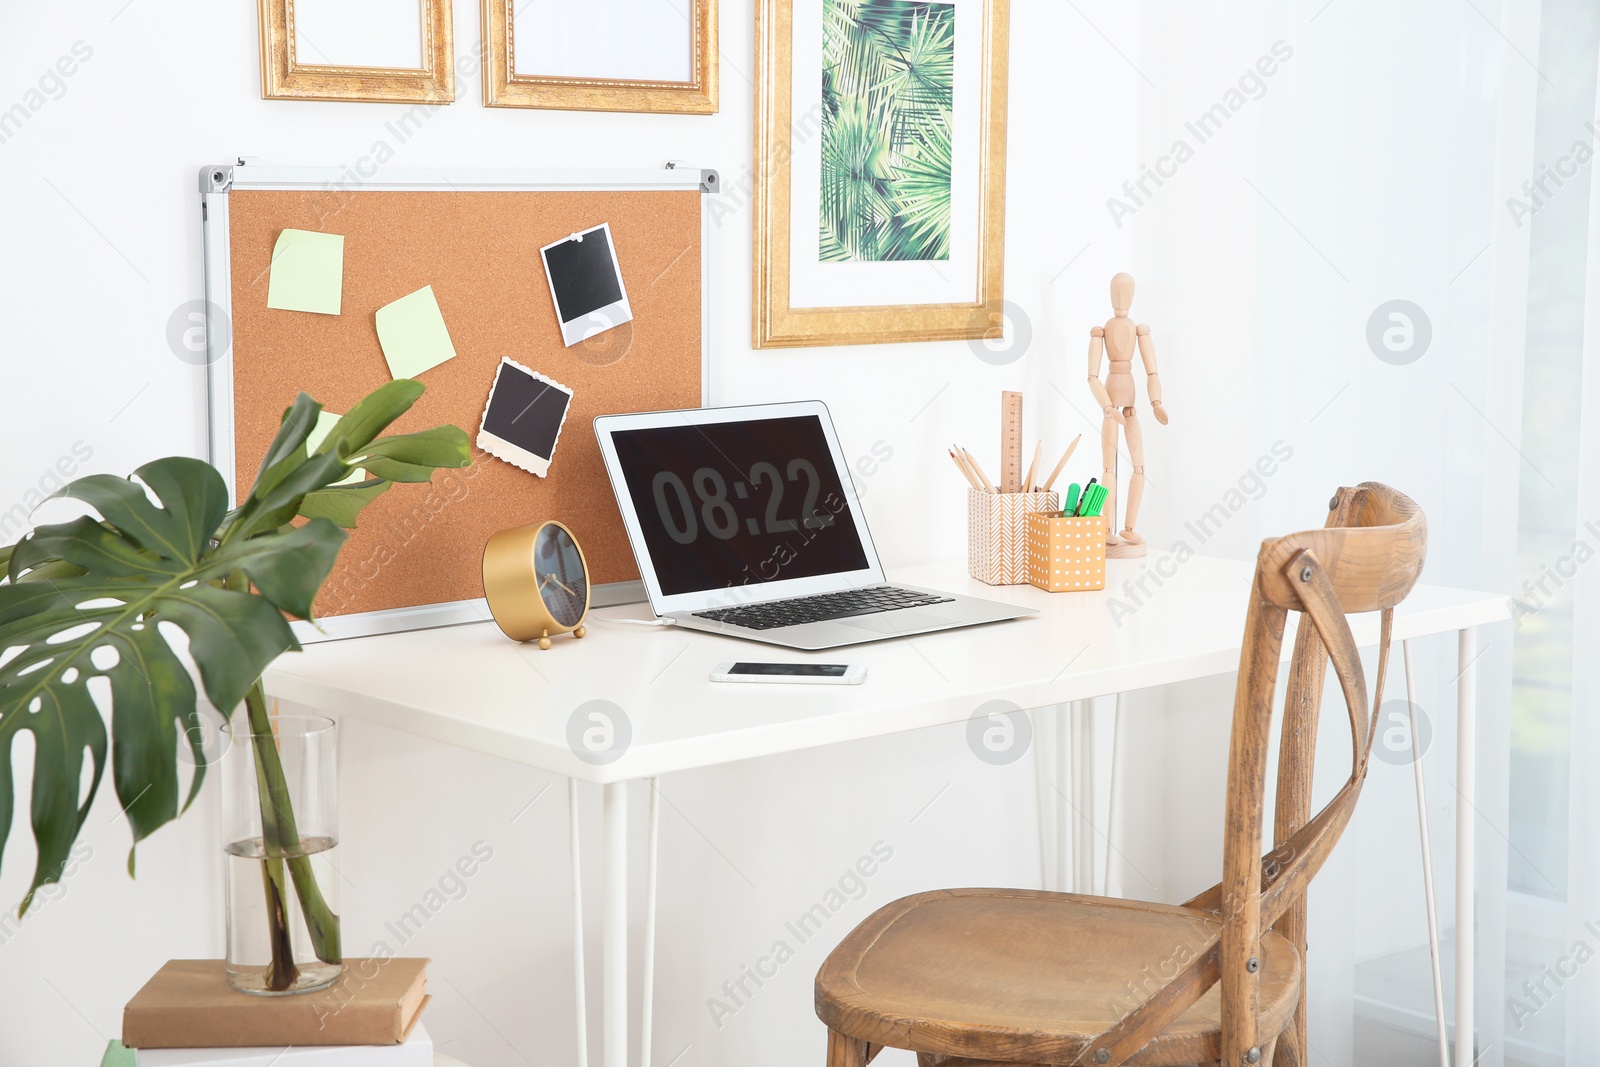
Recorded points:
(745,523)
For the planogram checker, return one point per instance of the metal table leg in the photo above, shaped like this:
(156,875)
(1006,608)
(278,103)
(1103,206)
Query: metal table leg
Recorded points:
(1466,859)
(614,940)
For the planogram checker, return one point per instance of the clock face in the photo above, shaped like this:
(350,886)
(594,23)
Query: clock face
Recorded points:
(558,569)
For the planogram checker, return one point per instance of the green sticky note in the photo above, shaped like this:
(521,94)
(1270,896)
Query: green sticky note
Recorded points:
(117,1056)
(413,335)
(307,272)
(326,421)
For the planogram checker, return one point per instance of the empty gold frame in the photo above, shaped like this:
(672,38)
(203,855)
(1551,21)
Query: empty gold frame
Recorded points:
(614,91)
(287,75)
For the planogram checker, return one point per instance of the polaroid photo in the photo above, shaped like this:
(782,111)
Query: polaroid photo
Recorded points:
(586,284)
(523,418)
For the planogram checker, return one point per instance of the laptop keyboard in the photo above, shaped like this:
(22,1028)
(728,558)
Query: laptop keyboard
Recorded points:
(822,607)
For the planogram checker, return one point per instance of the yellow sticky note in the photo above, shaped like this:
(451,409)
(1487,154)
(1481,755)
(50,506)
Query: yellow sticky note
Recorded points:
(326,421)
(413,335)
(307,272)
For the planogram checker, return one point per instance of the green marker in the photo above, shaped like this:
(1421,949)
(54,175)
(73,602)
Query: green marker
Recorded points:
(1097,498)
(1072,500)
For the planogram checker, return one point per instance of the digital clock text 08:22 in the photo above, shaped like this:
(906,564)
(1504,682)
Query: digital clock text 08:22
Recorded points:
(719,510)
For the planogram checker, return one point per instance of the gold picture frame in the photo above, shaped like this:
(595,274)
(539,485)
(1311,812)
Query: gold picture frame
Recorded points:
(504,87)
(285,77)
(777,324)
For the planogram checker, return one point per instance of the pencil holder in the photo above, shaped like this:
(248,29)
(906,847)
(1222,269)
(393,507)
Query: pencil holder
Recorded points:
(997,534)
(1066,554)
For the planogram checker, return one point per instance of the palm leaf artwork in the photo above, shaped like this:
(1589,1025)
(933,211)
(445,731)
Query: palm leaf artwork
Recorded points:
(888,77)
(84,605)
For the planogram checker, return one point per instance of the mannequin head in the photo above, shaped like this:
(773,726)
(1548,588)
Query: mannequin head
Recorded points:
(1121,293)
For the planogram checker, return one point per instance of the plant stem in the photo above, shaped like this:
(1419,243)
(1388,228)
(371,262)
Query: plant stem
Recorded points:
(281,837)
(282,972)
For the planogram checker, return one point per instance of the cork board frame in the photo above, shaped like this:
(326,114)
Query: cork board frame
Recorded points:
(475,237)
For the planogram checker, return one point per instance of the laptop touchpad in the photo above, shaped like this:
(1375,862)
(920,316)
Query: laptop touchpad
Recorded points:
(910,620)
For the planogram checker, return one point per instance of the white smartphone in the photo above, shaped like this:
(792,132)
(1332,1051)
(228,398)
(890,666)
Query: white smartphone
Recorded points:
(803,673)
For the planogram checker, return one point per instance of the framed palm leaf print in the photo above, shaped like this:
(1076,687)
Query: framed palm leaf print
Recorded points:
(880,170)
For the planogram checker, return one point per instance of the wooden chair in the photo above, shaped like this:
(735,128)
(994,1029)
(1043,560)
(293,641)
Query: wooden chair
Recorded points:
(991,977)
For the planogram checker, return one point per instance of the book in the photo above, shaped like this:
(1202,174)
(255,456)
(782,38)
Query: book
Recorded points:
(189,1004)
(415,1051)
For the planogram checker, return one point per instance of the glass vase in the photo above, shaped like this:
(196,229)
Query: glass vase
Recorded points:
(280,817)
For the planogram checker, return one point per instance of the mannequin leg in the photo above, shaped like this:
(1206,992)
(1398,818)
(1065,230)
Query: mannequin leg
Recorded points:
(1135,480)
(1108,475)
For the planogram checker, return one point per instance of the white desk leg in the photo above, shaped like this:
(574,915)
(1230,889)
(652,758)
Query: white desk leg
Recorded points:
(647,999)
(1466,859)
(1083,796)
(1066,826)
(1042,792)
(577,924)
(1111,801)
(614,1007)
(1440,1022)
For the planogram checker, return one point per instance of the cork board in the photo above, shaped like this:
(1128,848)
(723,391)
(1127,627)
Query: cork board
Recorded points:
(420,544)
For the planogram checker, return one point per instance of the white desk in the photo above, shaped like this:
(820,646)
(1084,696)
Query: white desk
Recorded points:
(468,686)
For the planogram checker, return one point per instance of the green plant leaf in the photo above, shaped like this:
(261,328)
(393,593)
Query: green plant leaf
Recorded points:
(177,532)
(62,633)
(279,498)
(288,447)
(342,504)
(153,704)
(371,416)
(287,568)
(413,457)
(65,724)
(84,603)
(277,507)
(89,545)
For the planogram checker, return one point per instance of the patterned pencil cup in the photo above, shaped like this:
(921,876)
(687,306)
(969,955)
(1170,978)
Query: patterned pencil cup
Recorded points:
(1066,555)
(997,534)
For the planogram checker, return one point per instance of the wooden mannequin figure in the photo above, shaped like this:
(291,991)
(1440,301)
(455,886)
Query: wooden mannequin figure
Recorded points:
(1117,339)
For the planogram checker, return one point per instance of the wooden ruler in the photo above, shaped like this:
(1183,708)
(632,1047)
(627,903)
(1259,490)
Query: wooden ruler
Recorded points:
(1010,442)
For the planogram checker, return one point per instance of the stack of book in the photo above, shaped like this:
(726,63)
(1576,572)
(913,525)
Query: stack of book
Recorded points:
(189,1016)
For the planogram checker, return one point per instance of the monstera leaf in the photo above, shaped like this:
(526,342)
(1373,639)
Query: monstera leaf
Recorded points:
(83,605)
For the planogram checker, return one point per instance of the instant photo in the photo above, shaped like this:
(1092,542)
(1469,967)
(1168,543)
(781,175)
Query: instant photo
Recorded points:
(586,284)
(522,421)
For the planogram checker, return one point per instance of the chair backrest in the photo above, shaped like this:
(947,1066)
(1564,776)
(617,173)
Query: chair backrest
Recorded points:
(1366,558)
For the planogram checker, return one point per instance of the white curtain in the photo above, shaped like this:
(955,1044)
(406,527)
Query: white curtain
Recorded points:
(1583,852)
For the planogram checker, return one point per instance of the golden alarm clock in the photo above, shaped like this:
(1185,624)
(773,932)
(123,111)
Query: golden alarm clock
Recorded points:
(537,582)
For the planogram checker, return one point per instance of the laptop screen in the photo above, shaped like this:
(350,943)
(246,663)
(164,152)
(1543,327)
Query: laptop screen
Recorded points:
(725,504)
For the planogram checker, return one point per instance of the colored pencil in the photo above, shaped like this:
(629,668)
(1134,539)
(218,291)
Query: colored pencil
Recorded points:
(962,467)
(978,469)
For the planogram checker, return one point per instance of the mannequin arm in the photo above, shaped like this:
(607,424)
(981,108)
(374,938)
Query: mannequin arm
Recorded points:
(1147,353)
(1097,345)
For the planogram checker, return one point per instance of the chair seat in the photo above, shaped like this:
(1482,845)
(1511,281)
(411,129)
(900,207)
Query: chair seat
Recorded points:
(1031,977)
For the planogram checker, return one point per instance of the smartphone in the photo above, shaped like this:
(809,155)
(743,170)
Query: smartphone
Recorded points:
(804,673)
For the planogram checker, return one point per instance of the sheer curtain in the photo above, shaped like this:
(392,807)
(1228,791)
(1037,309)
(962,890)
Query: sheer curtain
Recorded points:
(1579,963)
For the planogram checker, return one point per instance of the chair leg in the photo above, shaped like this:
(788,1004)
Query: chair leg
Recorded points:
(845,1051)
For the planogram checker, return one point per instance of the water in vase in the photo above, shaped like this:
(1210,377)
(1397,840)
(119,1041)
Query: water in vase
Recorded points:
(265,907)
